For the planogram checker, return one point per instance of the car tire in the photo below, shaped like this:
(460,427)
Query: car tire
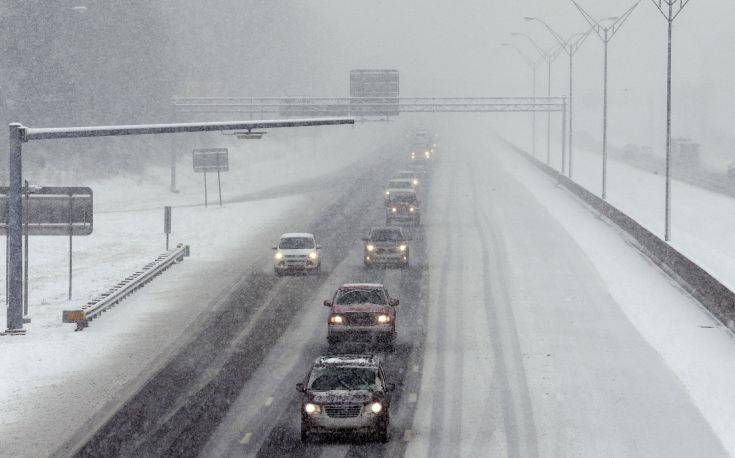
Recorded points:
(382,432)
(306,436)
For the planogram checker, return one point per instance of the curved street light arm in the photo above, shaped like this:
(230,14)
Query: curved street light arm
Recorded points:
(541,52)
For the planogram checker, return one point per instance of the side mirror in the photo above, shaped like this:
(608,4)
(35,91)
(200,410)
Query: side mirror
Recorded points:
(274,248)
(327,303)
(300,387)
(394,302)
(366,239)
(390,387)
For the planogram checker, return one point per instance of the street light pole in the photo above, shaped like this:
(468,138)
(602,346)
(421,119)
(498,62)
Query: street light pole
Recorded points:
(606,34)
(670,13)
(549,57)
(532,64)
(570,46)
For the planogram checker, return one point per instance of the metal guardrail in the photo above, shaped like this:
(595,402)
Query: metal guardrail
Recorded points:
(92,309)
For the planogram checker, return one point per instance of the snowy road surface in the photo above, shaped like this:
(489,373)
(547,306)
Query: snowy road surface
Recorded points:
(511,342)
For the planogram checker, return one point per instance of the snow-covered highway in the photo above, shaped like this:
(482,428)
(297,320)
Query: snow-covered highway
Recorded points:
(513,339)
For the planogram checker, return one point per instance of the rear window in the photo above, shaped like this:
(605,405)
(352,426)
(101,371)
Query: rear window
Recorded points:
(296,243)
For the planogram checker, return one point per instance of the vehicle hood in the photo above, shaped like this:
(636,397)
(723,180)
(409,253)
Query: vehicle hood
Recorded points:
(370,308)
(340,396)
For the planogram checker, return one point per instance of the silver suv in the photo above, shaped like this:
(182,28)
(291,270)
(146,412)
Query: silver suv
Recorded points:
(345,393)
(386,246)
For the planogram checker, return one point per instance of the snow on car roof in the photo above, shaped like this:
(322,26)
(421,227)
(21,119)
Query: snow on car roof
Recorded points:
(297,234)
(362,285)
(401,172)
(346,360)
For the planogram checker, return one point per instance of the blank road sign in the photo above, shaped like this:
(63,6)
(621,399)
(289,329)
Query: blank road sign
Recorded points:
(52,211)
(211,160)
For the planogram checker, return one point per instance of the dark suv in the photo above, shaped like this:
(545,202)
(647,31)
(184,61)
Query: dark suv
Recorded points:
(403,207)
(362,312)
(386,246)
(345,393)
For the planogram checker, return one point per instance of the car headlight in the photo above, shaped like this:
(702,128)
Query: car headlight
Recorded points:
(428,154)
(403,247)
(387,193)
(383,319)
(278,256)
(376,407)
(311,408)
(312,255)
(336,319)
(394,209)
(370,247)
(415,182)
(411,209)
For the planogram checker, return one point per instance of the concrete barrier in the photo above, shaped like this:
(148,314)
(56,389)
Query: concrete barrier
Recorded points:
(712,294)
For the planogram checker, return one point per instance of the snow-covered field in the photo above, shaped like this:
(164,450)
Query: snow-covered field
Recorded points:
(54,379)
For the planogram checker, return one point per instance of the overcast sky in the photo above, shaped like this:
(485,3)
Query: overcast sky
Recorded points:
(452,48)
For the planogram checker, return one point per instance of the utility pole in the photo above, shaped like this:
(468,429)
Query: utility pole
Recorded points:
(669,12)
(606,34)
(549,57)
(531,63)
(570,46)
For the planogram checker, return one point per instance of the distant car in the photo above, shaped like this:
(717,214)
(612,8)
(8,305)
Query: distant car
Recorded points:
(362,312)
(408,175)
(297,253)
(345,393)
(386,246)
(403,207)
(398,185)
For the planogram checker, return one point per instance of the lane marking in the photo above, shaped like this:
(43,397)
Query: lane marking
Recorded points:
(416,368)
(408,435)
(246,438)
(269,401)
(412,397)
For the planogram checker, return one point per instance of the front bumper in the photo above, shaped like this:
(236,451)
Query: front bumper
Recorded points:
(321,422)
(380,333)
(400,257)
(302,266)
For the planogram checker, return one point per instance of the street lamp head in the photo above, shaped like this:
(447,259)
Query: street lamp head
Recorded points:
(528,19)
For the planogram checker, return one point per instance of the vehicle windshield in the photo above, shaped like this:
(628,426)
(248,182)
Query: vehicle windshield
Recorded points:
(404,199)
(360,296)
(399,185)
(386,235)
(296,243)
(405,175)
(344,379)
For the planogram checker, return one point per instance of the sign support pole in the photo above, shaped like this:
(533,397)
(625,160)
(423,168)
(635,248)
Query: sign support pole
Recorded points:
(219,186)
(15,232)
(71,237)
(27,217)
(205,189)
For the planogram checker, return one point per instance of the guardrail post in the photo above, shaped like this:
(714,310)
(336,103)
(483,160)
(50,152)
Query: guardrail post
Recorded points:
(15,232)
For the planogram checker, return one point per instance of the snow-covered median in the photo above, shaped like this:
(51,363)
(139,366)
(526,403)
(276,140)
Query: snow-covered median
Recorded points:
(54,379)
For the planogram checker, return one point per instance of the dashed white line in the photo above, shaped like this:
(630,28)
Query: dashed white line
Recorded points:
(416,368)
(412,397)
(269,401)
(246,438)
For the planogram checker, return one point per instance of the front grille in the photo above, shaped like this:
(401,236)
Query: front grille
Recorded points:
(343,410)
(360,319)
(385,250)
